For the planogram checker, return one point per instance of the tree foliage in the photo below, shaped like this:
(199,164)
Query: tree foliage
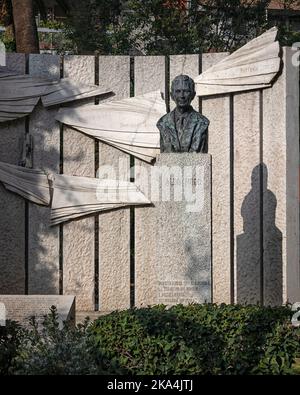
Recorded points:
(95,26)
(6,20)
(287,35)
(233,22)
(157,27)
(17,16)
(160,26)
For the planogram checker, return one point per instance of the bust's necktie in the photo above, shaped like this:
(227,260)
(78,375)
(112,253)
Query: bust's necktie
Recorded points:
(180,126)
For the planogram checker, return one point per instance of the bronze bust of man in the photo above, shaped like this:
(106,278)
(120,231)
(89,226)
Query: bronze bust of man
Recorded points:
(183,129)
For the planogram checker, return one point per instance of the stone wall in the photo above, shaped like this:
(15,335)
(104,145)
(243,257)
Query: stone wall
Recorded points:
(108,260)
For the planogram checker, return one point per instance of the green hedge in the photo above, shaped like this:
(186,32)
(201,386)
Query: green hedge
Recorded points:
(48,350)
(199,339)
(194,339)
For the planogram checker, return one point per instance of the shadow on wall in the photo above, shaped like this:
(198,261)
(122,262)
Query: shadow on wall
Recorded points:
(250,255)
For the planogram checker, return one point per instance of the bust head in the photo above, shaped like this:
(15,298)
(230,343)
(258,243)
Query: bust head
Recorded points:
(183,91)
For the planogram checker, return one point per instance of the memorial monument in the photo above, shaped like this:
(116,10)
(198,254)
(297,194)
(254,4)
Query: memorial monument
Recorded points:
(183,253)
(251,102)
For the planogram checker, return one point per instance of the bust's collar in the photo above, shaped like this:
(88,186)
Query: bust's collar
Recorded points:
(177,113)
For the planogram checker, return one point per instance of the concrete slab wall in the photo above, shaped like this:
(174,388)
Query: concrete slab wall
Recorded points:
(108,260)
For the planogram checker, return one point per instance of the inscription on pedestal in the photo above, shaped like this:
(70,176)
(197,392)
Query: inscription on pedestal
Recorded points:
(182,292)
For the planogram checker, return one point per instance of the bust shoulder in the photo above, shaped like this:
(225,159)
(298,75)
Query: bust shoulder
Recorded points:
(197,117)
(165,119)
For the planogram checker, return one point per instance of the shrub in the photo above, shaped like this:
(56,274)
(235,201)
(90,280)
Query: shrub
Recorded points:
(195,339)
(199,339)
(53,351)
(10,339)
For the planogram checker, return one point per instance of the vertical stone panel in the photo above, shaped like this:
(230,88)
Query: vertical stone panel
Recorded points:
(217,110)
(149,76)
(79,235)
(16,62)
(12,216)
(12,207)
(281,185)
(292,178)
(44,66)
(114,226)
(184,64)
(43,240)
(247,197)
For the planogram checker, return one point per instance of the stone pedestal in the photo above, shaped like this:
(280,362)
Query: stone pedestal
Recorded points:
(183,228)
